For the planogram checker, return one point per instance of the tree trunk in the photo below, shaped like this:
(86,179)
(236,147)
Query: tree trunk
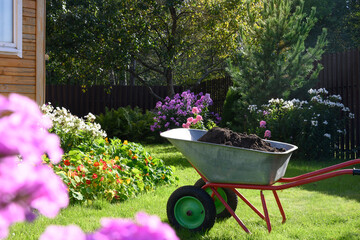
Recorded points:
(170,82)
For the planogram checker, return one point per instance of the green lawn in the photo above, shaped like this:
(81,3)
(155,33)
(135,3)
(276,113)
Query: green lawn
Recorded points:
(329,209)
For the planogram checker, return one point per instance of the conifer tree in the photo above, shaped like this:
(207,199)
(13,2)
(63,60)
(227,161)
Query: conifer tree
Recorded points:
(272,60)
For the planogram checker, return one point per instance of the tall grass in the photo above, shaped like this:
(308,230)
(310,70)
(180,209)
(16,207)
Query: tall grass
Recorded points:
(329,209)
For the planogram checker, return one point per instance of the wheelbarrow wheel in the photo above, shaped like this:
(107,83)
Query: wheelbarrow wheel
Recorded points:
(229,196)
(192,208)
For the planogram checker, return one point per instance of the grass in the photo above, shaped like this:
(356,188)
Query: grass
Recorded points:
(328,209)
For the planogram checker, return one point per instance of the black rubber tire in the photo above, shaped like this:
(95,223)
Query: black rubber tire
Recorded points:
(232,200)
(203,197)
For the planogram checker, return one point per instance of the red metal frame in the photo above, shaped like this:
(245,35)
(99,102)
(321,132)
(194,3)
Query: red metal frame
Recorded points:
(318,175)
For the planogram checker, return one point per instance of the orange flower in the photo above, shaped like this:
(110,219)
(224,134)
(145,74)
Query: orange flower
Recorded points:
(119,181)
(116,158)
(94,176)
(128,180)
(134,157)
(96,164)
(150,157)
(125,142)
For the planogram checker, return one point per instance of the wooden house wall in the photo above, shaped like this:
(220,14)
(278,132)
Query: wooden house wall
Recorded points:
(26,75)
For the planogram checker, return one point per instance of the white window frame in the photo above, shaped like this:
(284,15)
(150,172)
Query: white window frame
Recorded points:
(15,47)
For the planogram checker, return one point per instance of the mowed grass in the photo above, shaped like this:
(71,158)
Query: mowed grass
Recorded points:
(328,209)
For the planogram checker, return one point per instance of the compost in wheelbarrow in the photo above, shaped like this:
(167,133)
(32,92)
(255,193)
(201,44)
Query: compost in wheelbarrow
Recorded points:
(196,207)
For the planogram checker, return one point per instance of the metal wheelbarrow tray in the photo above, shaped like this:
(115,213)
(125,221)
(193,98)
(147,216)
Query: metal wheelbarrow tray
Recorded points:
(228,164)
(224,169)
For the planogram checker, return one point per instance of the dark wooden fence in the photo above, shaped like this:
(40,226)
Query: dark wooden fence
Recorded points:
(341,75)
(80,101)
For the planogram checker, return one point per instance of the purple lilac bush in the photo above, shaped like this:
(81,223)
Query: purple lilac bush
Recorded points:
(177,111)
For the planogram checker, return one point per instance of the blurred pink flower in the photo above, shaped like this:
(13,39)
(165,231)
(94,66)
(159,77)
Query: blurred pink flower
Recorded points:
(24,123)
(195,110)
(267,134)
(145,227)
(190,120)
(26,187)
(262,124)
(70,232)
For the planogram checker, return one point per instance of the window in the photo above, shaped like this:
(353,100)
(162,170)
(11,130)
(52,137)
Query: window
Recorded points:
(11,27)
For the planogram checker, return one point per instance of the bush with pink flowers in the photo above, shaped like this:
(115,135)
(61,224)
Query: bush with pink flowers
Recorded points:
(185,110)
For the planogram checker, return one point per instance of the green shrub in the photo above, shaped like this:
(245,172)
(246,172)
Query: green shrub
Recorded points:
(115,170)
(128,124)
(315,126)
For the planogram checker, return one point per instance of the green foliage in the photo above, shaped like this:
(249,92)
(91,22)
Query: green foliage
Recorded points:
(272,60)
(128,124)
(113,170)
(315,126)
(335,16)
(71,129)
(155,42)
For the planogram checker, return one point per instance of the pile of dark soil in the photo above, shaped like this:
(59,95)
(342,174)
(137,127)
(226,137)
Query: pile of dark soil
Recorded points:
(227,137)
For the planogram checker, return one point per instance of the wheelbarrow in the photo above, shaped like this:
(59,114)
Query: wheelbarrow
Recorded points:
(224,169)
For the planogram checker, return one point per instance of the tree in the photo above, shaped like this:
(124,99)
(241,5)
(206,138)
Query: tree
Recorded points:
(163,42)
(186,40)
(272,61)
(86,40)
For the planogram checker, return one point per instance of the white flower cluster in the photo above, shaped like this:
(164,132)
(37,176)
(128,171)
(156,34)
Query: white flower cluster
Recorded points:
(252,108)
(62,117)
(294,103)
(329,101)
(318,91)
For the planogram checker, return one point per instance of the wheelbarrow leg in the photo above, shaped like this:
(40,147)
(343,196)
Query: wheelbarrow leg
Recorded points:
(280,206)
(248,203)
(230,210)
(267,218)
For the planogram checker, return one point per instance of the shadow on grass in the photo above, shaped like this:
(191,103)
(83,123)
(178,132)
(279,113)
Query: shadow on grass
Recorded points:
(347,186)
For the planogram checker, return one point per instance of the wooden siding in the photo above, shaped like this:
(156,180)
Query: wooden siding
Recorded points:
(26,75)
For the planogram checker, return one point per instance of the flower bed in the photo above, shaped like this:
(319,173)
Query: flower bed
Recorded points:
(94,167)
(112,170)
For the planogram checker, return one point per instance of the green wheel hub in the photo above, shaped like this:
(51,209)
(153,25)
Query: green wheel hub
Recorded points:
(218,204)
(189,212)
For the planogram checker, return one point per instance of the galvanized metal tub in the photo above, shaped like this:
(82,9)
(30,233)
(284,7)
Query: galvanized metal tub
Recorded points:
(227,164)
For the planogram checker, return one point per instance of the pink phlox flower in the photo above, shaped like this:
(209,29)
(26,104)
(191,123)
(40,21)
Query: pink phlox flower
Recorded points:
(267,134)
(186,125)
(26,124)
(262,124)
(70,232)
(195,110)
(145,227)
(27,187)
(190,120)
